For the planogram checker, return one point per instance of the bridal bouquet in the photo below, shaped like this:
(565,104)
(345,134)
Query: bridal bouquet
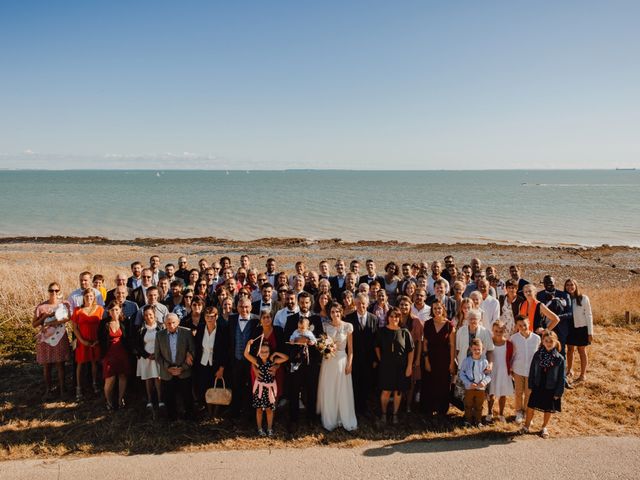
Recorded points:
(326,346)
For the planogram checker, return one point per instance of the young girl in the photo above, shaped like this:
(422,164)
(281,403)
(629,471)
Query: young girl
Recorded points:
(501,384)
(546,381)
(264,386)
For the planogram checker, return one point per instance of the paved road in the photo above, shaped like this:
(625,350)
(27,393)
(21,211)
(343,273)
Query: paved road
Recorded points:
(525,458)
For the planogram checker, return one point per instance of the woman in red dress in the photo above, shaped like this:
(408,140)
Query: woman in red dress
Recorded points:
(86,320)
(439,346)
(114,346)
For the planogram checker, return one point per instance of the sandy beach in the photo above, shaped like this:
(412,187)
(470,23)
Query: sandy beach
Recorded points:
(609,275)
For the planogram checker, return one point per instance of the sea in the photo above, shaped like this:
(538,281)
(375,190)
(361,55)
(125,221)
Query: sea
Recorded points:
(542,207)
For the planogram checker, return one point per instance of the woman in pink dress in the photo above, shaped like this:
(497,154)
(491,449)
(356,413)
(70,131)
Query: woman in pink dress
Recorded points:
(52,344)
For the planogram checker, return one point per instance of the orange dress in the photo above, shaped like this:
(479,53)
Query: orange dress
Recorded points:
(88,328)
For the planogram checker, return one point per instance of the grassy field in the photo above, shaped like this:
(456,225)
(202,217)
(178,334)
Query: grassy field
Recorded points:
(607,404)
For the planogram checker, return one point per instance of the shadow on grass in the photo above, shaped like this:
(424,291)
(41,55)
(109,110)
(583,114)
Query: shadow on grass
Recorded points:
(30,428)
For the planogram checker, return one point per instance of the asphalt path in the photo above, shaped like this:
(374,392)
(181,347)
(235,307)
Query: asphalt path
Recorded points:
(522,458)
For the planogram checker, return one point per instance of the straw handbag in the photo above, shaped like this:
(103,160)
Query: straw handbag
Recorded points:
(218,396)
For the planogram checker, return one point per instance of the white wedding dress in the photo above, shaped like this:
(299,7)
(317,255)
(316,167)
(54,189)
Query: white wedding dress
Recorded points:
(335,389)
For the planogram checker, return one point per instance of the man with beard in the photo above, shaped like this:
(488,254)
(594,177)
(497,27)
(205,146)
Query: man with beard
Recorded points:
(305,360)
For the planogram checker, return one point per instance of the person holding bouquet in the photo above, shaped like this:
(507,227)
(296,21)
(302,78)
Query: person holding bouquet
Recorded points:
(335,388)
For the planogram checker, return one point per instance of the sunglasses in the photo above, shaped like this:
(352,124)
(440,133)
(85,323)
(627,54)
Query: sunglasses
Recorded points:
(53,290)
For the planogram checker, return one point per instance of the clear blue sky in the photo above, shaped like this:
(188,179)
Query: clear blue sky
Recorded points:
(301,84)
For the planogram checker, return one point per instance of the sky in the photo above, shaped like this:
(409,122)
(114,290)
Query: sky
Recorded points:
(332,84)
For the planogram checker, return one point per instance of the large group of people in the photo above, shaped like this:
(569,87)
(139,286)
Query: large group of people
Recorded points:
(343,345)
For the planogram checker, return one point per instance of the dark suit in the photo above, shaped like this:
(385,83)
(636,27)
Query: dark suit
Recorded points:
(364,356)
(450,305)
(255,307)
(240,367)
(304,380)
(336,289)
(367,280)
(138,296)
(182,383)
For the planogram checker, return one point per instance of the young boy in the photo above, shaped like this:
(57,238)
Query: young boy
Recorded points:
(525,345)
(475,382)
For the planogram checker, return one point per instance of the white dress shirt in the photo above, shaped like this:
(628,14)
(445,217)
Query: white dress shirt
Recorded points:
(523,350)
(280,320)
(491,308)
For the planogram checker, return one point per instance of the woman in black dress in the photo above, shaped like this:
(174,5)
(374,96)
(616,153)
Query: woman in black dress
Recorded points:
(394,349)
(438,350)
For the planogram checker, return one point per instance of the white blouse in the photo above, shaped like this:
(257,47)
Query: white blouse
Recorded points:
(582,316)
(208,340)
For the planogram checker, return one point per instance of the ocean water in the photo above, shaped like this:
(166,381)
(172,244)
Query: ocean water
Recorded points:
(541,207)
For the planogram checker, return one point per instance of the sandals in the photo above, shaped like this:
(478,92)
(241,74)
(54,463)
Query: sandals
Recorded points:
(544,433)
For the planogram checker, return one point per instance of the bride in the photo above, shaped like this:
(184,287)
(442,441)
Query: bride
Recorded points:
(335,390)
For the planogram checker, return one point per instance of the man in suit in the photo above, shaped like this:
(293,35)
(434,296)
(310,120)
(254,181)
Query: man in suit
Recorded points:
(338,280)
(242,328)
(174,351)
(139,294)
(365,328)
(266,301)
(121,279)
(371,275)
(303,379)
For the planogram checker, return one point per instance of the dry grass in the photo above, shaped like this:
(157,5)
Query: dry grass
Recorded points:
(608,404)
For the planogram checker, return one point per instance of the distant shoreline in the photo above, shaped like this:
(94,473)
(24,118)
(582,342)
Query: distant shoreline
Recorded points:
(283,242)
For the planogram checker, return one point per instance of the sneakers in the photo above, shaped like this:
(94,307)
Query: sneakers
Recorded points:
(418,397)
(261,433)
(519,418)
(161,405)
(79,395)
(394,419)
(150,406)
(270,433)
(480,425)
(489,418)
(467,425)
(96,388)
(524,430)
(502,419)
(544,433)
